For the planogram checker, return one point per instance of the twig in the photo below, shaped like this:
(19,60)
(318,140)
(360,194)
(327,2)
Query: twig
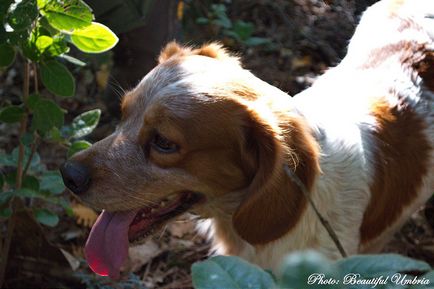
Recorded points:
(323,221)
(19,178)
(35,78)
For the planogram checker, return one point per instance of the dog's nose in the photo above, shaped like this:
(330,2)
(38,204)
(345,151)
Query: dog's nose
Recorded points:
(76,176)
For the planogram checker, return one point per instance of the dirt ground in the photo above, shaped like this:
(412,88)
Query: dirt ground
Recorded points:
(307,36)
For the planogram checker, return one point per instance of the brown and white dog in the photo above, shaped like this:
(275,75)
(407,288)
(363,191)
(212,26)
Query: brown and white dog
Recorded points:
(201,134)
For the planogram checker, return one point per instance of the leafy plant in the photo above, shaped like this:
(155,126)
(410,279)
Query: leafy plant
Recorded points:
(39,33)
(310,270)
(240,31)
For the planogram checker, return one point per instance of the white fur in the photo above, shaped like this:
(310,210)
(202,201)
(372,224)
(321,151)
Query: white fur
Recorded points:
(337,109)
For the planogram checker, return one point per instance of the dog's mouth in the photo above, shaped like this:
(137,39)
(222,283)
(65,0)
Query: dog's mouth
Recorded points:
(107,246)
(153,217)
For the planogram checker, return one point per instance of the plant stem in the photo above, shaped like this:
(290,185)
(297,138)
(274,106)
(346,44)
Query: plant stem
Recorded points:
(19,179)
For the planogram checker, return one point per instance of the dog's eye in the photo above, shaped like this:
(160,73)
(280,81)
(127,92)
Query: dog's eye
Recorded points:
(163,145)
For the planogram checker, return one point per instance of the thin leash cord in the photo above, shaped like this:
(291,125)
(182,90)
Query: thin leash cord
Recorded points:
(323,221)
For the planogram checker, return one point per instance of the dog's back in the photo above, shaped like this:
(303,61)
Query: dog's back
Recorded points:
(374,113)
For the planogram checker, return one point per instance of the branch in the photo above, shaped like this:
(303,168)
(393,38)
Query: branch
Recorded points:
(323,221)
(19,179)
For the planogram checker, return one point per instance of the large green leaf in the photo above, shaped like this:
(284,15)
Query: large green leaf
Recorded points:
(46,217)
(85,123)
(229,272)
(71,15)
(11,114)
(376,265)
(428,281)
(22,14)
(78,146)
(95,38)
(7,55)
(46,115)
(52,182)
(305,270)
(57,78)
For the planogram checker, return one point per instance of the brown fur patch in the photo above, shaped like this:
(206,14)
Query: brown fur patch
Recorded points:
(425,69)
(274,204)
(212,50)
(171,49)
(400,164)
(405,49)
(127,101)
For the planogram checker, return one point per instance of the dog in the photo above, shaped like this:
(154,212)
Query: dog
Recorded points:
(200,134)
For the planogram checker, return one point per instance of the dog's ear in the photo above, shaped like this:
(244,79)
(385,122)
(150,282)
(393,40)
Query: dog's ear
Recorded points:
(172,49)
(212,50)
(215,50)
(274,203)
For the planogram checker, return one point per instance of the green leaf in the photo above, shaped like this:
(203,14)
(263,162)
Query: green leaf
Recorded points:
(95,38)
(85,123)
(58,47)
(7,55)
(42,3)
(32,100)
(27,139)
(202,21)
(22,14)
(11,114)
(5,212)
(52,182)
(297,269)
(376,265)
(6,160)
(27,151)
(255,41)
(46,217)
(57,78)
(43,42)
(30,182)
(243,29)
(55,135)
(78,146)
(229,272)
(26,193)
(46,115)
(5,197)
(71,15)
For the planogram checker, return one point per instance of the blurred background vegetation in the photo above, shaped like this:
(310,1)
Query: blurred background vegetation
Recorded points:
(287,43)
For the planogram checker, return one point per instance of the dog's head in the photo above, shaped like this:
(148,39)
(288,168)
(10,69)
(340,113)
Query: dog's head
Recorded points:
(198,133)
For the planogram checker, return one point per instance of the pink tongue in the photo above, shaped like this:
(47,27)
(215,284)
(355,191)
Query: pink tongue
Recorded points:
(107,246)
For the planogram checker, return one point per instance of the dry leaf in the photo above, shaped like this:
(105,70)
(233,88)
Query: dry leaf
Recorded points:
(85,216)
(141,254)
